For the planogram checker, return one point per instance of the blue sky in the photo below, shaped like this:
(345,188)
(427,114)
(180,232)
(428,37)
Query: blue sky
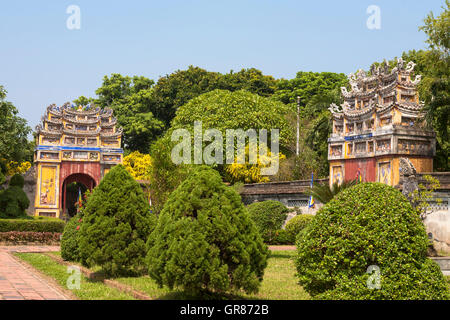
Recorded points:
(43,62)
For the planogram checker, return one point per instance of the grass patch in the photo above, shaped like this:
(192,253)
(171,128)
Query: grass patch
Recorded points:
(280,282)
(89,290)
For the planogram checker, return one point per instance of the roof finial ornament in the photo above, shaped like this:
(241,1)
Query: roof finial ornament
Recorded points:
(400,63)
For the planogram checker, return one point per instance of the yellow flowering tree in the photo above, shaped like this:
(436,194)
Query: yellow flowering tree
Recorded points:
(14,167)
(138,165)
(251,173)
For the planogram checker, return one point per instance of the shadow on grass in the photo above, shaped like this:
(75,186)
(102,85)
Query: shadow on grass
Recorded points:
(282,254)
(183,295)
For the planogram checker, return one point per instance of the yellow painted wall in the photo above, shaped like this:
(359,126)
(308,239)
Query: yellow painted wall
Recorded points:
(47,193)
(422,164)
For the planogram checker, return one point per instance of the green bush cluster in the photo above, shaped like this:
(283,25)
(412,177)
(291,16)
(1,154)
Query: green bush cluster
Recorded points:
(269,217)
(116,224)
(13,200)
(297,224)
(205,240)
(370,224)
(281,237)
(44,225)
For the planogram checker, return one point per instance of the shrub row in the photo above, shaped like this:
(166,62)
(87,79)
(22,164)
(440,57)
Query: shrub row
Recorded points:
(29,236)
(44,225)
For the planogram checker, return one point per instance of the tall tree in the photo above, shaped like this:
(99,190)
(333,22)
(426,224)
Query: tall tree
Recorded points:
(174,90)
(177,88)
(252,80)
(14,145)
(133,104)
(438,100)
(308,84)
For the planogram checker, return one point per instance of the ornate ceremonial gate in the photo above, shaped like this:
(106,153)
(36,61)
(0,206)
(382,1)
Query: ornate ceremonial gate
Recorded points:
(74,145)
(379,123)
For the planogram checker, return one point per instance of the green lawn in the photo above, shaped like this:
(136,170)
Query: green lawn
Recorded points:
(89,290)
(279,282)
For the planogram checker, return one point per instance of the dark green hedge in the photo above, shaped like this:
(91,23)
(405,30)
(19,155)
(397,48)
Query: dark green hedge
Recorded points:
(44,225)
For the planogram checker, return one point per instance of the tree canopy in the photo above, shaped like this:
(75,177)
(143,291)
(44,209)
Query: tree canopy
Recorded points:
(14,145)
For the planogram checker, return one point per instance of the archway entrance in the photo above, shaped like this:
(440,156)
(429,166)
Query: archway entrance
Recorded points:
(72,186)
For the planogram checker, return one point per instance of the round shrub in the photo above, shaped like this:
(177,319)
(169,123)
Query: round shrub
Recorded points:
(17,181)
(70,239)
(268,216)
(370,224)
(297,224)
(116,225)
(281,237)
(13,203)
(205,240)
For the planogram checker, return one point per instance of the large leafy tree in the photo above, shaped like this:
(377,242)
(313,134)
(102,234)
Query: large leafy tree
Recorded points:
(14,145)
(438,83)
(176,89)
(133,104)
(307,85)
(222,110)
(252,80)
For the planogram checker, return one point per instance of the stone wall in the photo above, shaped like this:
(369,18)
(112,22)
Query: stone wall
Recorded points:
(290,193)
(30,188)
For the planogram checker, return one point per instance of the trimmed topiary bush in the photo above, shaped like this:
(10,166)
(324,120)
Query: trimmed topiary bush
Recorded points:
(205,240)
(269,217)
(297,224)
(70,239)
(14,201)
(370,224)
(281,237)
(116,225)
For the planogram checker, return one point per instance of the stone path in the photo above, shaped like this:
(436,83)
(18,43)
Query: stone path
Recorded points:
(19,283)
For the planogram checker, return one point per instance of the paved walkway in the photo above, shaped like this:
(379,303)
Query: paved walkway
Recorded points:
(282,248)
(18,282)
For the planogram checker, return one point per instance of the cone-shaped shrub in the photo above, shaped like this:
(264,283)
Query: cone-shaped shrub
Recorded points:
(116,225)
(368,243)
(205,240)
(70,239)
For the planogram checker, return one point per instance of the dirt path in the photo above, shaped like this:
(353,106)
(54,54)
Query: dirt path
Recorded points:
(281,248)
